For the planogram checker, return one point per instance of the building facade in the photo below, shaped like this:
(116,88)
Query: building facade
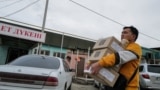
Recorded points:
(17,39)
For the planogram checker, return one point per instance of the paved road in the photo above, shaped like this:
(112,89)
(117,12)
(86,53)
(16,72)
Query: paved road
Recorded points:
(76,86)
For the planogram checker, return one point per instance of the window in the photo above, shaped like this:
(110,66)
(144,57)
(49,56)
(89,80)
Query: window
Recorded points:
(58,54)
(63,55)
(42,52)
(45,52)
(37,61)
(149,55)
(154,68)
(35,51)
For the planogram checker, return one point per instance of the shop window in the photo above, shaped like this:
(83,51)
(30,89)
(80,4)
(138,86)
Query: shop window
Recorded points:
(42,52)
(149,55)
(35,51)
(58,54)
(45,52)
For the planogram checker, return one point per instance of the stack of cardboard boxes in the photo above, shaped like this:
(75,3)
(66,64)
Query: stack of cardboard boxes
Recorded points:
(105,46)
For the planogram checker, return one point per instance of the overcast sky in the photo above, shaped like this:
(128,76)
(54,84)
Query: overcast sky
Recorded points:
(92,19)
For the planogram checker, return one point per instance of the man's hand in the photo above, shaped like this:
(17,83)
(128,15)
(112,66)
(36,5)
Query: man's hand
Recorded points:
(95,67)
(87,65)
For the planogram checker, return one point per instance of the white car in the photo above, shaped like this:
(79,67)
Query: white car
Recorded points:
(149,76)
(36,72)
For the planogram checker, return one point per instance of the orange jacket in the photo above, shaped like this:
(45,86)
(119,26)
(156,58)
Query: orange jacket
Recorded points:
(128,68)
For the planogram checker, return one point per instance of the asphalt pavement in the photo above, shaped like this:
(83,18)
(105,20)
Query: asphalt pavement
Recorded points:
(76,86)
(80,83)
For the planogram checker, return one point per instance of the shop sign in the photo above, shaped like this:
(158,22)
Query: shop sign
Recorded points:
(24,33)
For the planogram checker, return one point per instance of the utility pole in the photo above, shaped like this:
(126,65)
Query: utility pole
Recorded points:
(43,25)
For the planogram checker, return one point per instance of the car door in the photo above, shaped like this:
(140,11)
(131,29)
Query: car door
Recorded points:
(68,73)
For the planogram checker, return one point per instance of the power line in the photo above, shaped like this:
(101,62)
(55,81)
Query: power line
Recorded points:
(150,36)
(21,9)
(109,18)
(10,4)
(97,13)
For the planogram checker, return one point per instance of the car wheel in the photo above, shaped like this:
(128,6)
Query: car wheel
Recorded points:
(69,88)
(65,86)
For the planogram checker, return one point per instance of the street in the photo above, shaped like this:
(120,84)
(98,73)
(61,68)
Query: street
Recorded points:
(83,84)
(76,86)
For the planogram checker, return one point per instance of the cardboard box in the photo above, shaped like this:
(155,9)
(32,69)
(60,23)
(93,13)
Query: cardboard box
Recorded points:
(98,54)
(109,42)
(106,76)
(105,46)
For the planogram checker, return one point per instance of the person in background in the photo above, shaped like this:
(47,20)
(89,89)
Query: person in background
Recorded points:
(129,59)
(68,60)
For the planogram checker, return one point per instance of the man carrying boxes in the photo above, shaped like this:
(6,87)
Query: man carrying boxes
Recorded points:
(103,47)
(109,54)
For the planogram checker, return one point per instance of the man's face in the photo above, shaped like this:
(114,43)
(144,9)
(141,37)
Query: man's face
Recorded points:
(127,34)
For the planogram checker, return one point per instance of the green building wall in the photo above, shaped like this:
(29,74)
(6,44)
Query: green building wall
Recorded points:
(53,49)
(155,53)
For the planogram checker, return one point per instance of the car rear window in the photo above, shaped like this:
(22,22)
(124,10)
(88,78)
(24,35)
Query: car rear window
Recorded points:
(37,61)
(154,68)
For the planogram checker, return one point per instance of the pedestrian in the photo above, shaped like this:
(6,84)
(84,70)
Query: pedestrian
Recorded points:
(68,60)
(129,59)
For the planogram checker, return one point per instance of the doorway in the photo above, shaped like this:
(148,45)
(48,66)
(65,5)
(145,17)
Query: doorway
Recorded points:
(80,67)
(14,53)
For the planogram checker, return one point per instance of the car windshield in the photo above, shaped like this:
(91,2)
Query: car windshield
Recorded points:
(154,68)
(37,61)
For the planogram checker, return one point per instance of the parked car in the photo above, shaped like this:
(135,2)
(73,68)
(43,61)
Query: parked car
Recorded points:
(36,72)
(149,76)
